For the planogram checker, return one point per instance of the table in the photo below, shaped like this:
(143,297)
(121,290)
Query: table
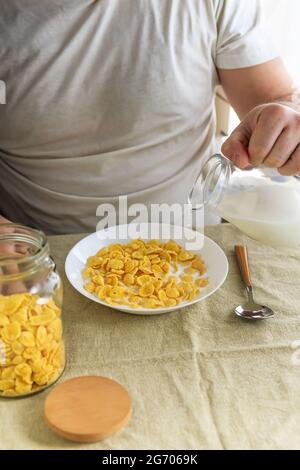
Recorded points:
(200,378)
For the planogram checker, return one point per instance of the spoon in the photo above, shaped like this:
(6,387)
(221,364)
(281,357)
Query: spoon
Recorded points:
(250,310)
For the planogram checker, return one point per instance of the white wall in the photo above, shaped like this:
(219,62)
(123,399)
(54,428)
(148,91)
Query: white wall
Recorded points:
(283,20)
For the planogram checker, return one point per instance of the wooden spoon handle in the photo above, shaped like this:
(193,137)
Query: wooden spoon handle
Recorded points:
(242,259)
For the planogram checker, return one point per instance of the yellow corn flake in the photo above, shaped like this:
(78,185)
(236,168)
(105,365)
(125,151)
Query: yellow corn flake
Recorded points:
(9,393)
(37,364)
(94,261)
(11,332)
(103,265)
(170,303)
(170,281)
(6,384)
(202,282)
(41,378)
(155,259)
(130,265)
(165,267)
(17,360)
(43,319)
(87,272)
(37,309)
(145,268)
(117,292)
(135,299)
(146,290)
(175,266)
(128,279)
(136,244)
(27,339)
(172,246)
(162,295)
(151,303)
(141,280)
(187,278)
(137,254)
(157,284)
(157,270)
(17,348)
(181,290)
(185,256)
(190,270)
(32,354)
(117,254)
(52,306)
(102,252)
(22,387)
(172,292)
(24,371)
(11,303)
(6,353)
(199,266)
(90,287)
(112,280)
(55,328)
(153,243)
(8,373)
(115,264)
(3,320)
(102,292)
(51,354)
(115,247)
(172,255)
(21,316)
(99,280)
(118,272)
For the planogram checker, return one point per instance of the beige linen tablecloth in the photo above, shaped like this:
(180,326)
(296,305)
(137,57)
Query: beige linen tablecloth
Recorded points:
(199,378)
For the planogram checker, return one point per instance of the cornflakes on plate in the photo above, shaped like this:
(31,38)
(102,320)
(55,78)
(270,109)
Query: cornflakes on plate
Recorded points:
(145,274)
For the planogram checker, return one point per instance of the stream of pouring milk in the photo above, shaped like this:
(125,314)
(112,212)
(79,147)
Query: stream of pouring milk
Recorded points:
(269,214)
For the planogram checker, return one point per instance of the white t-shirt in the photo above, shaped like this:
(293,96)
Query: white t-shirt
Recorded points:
(112,97)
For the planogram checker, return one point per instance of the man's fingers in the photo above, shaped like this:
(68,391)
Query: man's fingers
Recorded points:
(235,148)
(265,134)
(284,147)
(292,167)
(3,220)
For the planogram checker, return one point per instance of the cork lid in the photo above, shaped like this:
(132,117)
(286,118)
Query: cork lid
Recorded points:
(87,409)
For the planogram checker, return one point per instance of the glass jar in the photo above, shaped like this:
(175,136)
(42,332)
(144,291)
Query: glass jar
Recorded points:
(31,332)
(259,201)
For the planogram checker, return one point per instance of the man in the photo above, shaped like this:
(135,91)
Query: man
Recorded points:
(116,97)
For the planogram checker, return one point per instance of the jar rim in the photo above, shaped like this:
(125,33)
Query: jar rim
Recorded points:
(204,180)
(21,233)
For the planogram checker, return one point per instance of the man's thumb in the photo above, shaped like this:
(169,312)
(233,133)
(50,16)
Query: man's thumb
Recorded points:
(236,149)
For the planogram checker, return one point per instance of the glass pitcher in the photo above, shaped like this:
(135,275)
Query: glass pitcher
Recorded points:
(259,201)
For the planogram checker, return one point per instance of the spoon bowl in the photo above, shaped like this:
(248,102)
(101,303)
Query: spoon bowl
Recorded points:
(251,311)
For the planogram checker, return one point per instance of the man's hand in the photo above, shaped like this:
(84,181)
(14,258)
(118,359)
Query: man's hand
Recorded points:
(9,249)
(269,135)
(3,220)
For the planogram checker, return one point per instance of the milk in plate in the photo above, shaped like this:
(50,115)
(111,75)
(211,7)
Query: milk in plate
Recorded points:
(269,213)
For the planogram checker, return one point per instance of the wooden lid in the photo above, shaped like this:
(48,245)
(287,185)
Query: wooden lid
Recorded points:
(87,409)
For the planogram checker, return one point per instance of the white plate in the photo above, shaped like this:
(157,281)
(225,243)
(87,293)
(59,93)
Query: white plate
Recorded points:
(212,254)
